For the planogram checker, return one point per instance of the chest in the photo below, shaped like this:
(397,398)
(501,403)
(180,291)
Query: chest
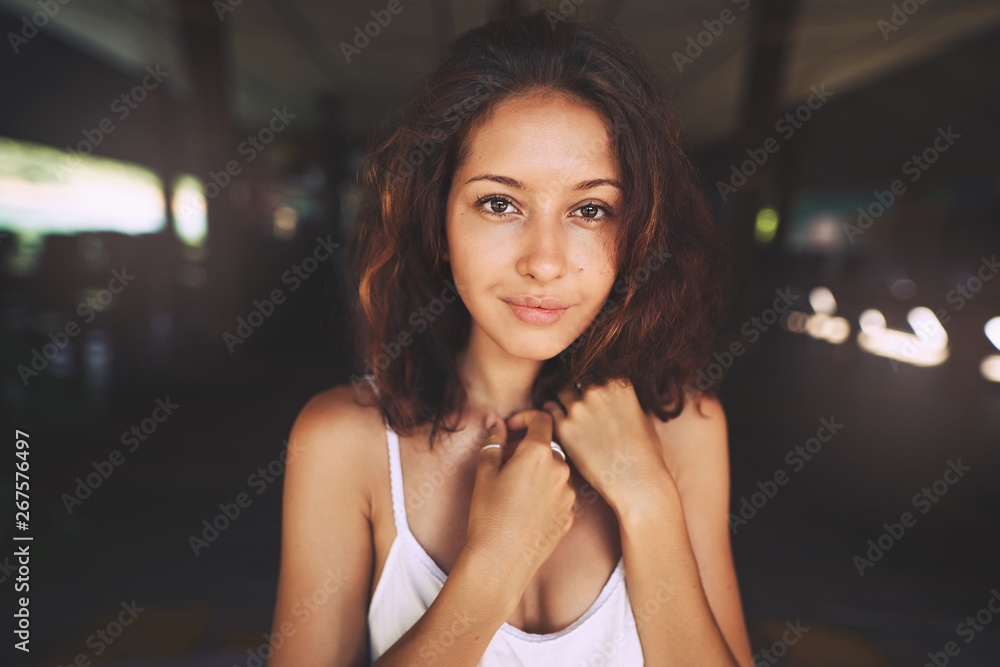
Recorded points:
(437,491)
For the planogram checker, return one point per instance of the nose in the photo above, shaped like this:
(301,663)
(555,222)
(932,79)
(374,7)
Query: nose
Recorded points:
(543,246)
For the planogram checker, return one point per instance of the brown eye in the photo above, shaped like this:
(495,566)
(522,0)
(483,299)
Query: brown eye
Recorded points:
(592,211)
(497,206)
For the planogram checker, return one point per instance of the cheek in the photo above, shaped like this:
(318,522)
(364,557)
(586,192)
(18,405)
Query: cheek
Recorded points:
(472,254)
(597,275)
(596,262)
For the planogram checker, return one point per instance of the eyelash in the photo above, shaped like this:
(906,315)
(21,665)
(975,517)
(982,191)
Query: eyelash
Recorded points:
(608,213)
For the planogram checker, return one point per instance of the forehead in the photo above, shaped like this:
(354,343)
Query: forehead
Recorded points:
(541,137)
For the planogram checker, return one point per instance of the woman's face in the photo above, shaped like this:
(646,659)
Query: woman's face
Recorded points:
(530,221)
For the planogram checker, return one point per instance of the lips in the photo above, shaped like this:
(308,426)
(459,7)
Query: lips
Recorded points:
(537,309)
(540,301)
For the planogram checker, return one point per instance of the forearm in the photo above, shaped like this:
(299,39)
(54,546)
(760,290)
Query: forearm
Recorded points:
(673,618)
(458,625)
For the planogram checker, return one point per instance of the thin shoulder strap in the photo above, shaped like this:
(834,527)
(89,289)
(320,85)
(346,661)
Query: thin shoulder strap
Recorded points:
(396,480)
(395,473)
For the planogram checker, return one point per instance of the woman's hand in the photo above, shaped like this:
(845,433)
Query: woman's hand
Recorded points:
(609,439)
(522,503)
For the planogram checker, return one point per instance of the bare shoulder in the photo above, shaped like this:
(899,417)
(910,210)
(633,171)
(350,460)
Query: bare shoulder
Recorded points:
(337,430)
(348,405)
(696,451)
(326,544)
(695,443)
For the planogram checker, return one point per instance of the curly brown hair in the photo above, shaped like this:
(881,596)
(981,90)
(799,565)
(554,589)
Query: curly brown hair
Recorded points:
(659,323)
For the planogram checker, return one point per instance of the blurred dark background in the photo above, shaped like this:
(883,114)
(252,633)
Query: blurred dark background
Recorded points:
(166,167)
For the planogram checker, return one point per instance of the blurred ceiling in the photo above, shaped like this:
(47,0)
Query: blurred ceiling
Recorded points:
(288,52)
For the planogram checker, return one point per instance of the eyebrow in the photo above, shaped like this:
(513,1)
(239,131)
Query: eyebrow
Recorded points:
(514,183)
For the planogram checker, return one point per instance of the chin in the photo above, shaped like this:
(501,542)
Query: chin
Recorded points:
(535,345)
(540,352)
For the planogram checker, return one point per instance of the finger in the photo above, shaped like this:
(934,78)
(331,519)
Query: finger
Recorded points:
(496,433)
(538,423)
(518,421)
(499,435)
(491,458)
(568,396)
(557,412)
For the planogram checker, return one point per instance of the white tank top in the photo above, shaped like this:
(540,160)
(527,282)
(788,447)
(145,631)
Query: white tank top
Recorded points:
(605,635)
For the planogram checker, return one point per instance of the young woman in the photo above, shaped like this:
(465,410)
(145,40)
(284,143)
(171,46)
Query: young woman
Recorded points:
(525,475)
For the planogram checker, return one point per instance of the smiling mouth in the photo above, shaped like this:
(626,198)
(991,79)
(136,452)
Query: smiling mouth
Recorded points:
(536,315)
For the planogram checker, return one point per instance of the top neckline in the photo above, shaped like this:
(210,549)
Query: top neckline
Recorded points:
(406,536)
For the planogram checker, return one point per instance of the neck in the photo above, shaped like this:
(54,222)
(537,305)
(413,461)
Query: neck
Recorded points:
(493,379)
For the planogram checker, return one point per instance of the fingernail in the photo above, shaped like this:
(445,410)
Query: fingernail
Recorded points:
(491,420)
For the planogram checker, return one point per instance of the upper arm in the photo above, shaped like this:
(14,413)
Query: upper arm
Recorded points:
(696,451)
(326,547)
